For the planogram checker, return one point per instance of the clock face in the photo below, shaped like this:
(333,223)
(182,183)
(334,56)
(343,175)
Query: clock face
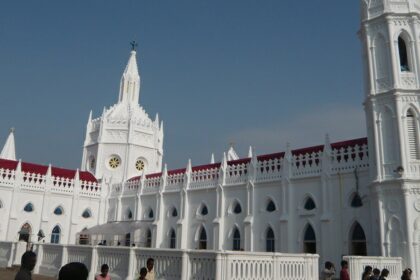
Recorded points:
(139,165)
(114,162)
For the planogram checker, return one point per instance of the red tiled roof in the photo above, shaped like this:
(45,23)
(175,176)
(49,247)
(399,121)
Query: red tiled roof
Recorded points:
(42,169)
(307,150)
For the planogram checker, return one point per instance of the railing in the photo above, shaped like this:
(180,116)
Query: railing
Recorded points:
(357,265)
(237,174)
(306,165)
(347,159)
(269,170)
(171,264)
(6,253)
(204,178)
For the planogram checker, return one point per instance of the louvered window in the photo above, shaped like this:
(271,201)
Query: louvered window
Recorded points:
(412,136)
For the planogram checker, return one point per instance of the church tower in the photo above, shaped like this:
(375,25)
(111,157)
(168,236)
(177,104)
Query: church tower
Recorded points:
(124,142)
(390,35)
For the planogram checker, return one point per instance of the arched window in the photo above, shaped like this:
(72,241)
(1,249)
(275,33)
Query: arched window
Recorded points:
(236,245)
(356,201)
(58,211)
(269,240)
(271,207)
(86,214)
(309,204)
(55,235)
(25,232)
(412,135)
(84,238)
(237,209)
(204,211)
(148,238)
(28,207)
(127,239)
(174,212)
(402,51)
(151,214)
(129,214)
(309,240)
(172,239)
(358,241)
(202,241)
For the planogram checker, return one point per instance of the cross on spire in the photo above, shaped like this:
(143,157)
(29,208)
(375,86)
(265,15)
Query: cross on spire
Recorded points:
(133,45)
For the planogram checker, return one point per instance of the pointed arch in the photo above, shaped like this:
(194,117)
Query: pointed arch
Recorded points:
(270,240)
(25,232)
(382,62)
(309,240)
(148,241)
(172,239)
(394,237)
(202,210)
(270,206)
(84,239)
(129,214)
(358,245)
(58,210)
(201,237)
(149,214)
(174,212)
(235,207)
(29,207)
(356,200)
(403,51)
(87,213)
(236,239)
(309,203)
(55,235)
(412,134)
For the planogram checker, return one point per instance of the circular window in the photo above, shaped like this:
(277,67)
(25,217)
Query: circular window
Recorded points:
(139,165)
(114,162)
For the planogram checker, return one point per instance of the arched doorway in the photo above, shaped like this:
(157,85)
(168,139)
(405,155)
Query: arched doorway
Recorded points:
(202,241)
(358,241)
(309,240)
(25,233)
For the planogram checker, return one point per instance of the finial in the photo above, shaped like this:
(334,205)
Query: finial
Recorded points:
(133,45)
(12,130)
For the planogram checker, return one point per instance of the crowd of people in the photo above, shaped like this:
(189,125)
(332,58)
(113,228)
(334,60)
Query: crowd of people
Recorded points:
(369,273)
(77,270)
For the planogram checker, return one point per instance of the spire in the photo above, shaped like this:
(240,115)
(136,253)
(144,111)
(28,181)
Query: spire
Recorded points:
(212,158)
(130,81)
(9,151)
(250,153)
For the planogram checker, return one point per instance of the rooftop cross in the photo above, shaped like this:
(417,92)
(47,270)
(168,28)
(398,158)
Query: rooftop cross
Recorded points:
(133,45)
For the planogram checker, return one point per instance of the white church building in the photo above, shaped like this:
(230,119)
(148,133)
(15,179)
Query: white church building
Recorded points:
(353,197)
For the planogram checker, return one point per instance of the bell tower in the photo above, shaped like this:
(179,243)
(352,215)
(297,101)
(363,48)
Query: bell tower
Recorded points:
(390,36)
(124,142)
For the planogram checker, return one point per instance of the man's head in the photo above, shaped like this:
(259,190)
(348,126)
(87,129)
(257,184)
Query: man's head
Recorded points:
(73,271)
(328,265)
(385,272)
(143,272)
(344,264)
(150,263)
(368,269)
(376,272)
(104,269)
(28,260)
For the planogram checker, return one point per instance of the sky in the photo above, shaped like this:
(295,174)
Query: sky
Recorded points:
(249,72)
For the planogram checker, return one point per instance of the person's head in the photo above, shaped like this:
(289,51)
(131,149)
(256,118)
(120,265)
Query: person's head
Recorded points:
(28,260)
(143,272)
(385,272)
(328,265)
(376,272)
(407,272)
(344,264)
(150,263)
(104,269)
(368,269)
(73,271)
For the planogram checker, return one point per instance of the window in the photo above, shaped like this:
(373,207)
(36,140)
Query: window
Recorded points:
(412,135)
(172,239)
(86,214)
(148,238)
(356,201)
(236,246)
(358,241)
(127,239)
(202,241)
(25,233)
(237,209)
(309,204)
(84,238)
(402,50)
(204,211)
(139,165)
(174,212)
(28,207)
(58,211)
(151,214)
(309,240)
(269,240)
(271,207)
(114,162)
(129,214)
(55,235)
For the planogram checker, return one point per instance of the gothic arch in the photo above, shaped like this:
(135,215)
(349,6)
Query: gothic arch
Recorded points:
(394,237)
(56,233)
(307,198)
(308,238)
(25,232)
(269,201)
(201,237)
(235,207)
(270,239)
(357,240)
(128,214)
(404,50)
(149,214)
(381,61)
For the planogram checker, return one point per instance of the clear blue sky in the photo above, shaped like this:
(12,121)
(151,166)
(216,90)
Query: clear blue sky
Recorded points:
(252,72)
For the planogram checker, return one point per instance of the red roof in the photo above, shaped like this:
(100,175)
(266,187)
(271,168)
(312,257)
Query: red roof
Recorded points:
(266,157)
(42,169)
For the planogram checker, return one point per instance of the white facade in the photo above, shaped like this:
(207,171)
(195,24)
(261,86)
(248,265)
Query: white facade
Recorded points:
(354,197)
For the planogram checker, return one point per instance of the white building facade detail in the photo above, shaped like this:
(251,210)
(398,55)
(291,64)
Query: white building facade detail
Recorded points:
(355,197)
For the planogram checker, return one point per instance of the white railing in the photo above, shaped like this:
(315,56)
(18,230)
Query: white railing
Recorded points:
(304,165)
(269,170)
(347,159)
(6,253)
(237,173)
(171,264)
(357,265)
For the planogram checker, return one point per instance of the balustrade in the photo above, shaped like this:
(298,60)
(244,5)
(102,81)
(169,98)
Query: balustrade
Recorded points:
(357,265)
